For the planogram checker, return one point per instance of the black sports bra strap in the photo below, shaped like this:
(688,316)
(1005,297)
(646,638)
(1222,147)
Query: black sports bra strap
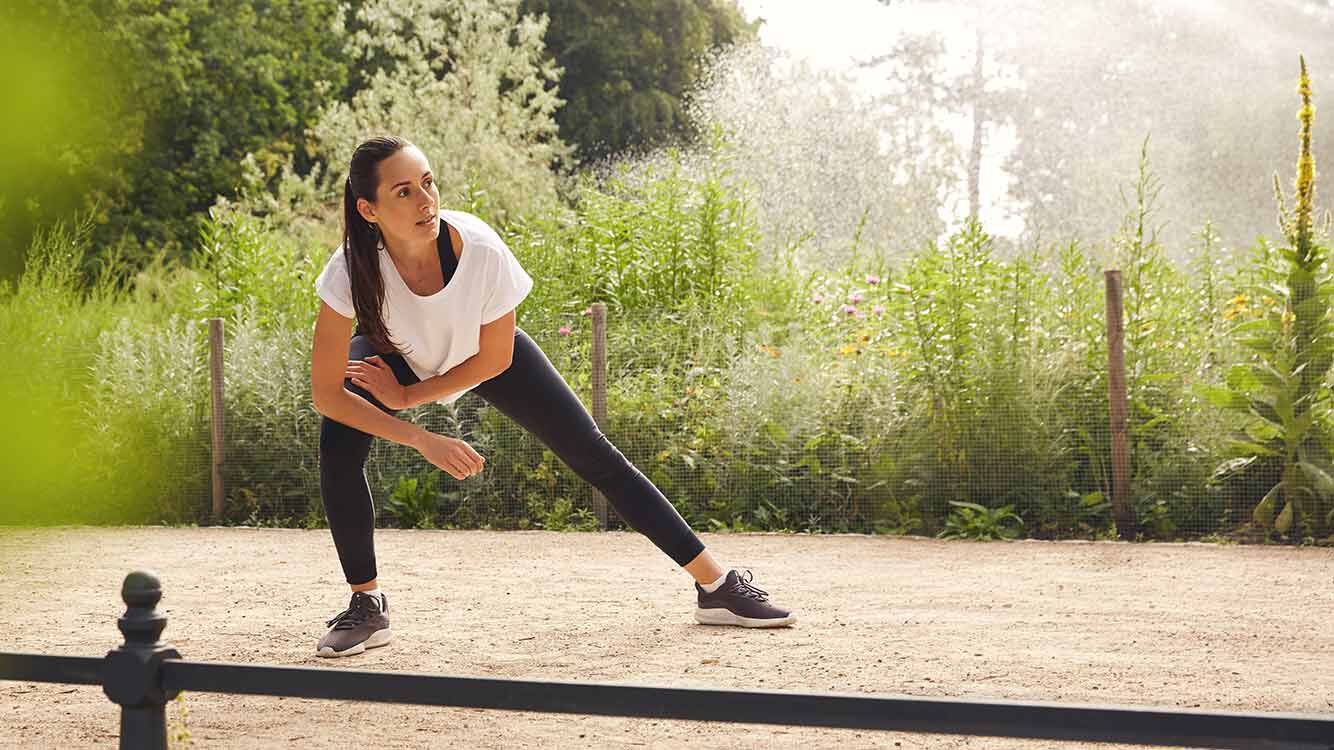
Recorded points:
(445,246)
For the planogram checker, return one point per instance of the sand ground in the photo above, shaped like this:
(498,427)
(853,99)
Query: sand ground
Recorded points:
(1178,625)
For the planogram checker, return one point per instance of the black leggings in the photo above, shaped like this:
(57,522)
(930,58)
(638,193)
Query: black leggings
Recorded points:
(533,394)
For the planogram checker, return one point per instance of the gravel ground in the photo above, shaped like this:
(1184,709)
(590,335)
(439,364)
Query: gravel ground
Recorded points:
(1205,626)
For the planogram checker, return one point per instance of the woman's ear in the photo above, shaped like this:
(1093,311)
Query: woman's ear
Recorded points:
(366,210)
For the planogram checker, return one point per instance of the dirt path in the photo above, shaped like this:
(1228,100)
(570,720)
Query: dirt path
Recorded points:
(1193,625)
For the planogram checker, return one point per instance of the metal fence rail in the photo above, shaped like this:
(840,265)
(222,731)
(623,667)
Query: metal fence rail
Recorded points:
(70,670)
(143,674)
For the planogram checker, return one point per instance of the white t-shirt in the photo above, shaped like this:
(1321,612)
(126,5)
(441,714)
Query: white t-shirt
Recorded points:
(443,329)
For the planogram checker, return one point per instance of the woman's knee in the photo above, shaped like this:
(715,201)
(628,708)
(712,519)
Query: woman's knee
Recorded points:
(594,458)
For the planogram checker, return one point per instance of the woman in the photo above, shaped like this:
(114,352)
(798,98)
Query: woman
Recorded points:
(433,293)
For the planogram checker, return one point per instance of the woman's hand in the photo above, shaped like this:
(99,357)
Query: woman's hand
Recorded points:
(376,376)
(451,454)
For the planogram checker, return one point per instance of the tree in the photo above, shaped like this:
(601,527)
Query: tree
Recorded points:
(467,82)
(1085,83)
(629,63)
(190,87)
(224,78)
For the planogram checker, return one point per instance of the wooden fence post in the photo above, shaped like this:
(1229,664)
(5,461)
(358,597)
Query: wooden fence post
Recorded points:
(215,378)
(600,394)
(1122,509)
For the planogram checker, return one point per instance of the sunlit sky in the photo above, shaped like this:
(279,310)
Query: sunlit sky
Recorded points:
(835,34)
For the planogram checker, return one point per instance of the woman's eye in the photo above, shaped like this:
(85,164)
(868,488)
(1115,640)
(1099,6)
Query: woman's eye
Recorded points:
(403,193)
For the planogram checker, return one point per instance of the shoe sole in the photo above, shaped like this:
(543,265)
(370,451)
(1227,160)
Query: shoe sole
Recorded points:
(721,616)
(377,639)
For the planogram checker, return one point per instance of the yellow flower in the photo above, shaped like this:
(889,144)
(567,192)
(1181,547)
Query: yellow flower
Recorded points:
(1240,299)
(847,349)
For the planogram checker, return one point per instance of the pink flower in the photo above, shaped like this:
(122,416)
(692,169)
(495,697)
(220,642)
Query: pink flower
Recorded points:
(878,310)
(855,297)
(817,299)
(861,313)
(588,310)
(850,309)
(564,331)
(872,279)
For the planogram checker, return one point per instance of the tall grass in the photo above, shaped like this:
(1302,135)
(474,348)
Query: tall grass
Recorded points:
(99,425)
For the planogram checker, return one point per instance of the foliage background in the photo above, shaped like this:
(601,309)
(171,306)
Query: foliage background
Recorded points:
(805,333)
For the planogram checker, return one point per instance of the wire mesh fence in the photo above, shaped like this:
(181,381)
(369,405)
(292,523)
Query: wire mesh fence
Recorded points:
(769,428)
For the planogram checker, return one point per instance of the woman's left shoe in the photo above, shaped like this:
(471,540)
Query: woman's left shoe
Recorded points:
(737,602)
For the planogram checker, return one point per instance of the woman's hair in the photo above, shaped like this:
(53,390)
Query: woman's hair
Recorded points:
(361,239)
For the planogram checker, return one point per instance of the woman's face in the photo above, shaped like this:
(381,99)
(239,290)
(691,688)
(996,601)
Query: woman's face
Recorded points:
(407,203)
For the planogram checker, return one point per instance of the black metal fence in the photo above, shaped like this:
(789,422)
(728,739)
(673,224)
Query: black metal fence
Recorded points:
(144,673)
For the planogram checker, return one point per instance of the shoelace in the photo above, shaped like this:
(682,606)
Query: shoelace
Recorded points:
(744,588)
(355,614)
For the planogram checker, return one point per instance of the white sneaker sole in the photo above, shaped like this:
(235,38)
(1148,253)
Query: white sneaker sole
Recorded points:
(377,639)
(722,616)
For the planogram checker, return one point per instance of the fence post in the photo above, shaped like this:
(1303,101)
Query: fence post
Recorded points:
(132,674)
(1122,510)
(600,394)
(215,379)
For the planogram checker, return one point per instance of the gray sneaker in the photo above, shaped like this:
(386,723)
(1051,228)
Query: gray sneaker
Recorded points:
(361,626)
(736,602)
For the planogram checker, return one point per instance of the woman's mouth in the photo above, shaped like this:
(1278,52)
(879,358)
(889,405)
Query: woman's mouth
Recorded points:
(427,221)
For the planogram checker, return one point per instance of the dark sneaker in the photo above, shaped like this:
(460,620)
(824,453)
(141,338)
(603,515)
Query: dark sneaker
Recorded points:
(736,602)
(361,626)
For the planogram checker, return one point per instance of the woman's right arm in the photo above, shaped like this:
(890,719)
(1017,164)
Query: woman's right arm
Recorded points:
(328,366)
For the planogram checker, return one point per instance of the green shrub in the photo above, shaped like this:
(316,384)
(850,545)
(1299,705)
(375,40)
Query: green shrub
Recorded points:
(973,521)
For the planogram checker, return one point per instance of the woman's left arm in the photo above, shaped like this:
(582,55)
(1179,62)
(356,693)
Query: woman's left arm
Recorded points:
(496,344)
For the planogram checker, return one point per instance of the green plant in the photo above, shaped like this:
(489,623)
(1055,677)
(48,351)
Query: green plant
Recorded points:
(1087,511)
(415,500)
(478,67)
(656,237)
(1281,390)
(563,516)
(240,264)
(178,735)
(973,521)
(771,516)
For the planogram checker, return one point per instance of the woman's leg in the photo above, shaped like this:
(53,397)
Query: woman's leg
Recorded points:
(533,394)
(343,487)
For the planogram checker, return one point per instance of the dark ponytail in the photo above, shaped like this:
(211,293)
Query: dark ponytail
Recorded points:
(361,239)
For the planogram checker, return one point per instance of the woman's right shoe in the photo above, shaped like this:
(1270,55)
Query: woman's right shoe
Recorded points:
(361,626)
